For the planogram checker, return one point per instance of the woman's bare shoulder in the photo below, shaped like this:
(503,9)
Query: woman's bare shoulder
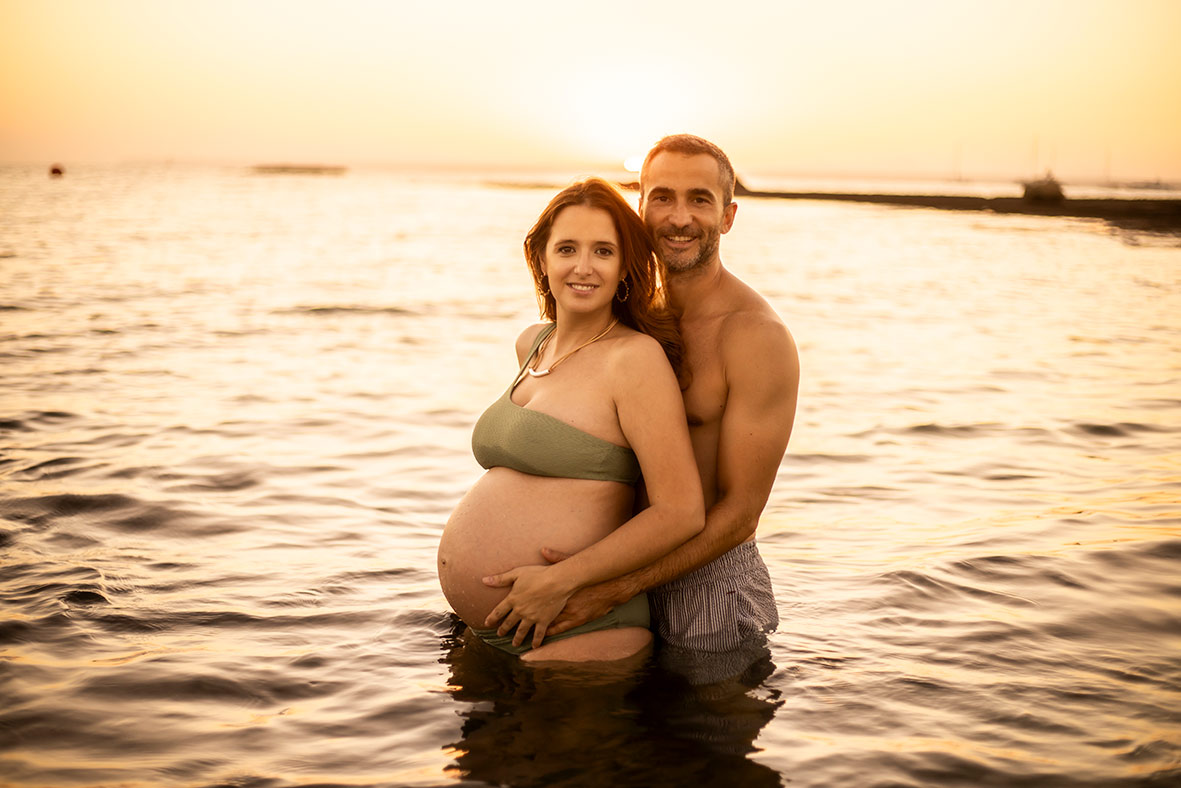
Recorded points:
(527,338)
(637,353)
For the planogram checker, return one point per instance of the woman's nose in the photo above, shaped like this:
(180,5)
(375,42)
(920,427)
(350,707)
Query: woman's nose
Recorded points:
(582,265)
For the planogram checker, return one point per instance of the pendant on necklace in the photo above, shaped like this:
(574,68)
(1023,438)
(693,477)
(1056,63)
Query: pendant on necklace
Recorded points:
(541,373)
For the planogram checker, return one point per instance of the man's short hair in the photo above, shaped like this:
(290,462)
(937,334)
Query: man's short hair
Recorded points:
(690,145)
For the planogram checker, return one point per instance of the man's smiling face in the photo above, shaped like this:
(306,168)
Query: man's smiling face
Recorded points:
(681,204)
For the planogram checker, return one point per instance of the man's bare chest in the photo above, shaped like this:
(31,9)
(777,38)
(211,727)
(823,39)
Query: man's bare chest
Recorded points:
(705,397)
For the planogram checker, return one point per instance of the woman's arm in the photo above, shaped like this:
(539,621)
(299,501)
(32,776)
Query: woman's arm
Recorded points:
(652,417)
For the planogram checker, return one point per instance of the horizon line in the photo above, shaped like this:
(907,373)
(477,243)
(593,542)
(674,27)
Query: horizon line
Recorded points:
(579,169)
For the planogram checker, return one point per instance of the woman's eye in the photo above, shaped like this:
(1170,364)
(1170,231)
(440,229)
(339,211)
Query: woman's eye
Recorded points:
(606,251)
(565,249)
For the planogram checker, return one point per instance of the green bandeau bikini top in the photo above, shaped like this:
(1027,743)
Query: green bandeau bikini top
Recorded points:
(511,436)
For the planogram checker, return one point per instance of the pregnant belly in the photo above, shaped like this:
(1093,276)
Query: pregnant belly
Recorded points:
(505,520)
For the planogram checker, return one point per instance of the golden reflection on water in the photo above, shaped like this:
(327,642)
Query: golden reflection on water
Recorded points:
(139,655)
(259,719)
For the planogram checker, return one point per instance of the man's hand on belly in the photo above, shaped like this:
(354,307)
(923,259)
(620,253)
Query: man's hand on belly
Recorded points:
(585,605)
(588,603)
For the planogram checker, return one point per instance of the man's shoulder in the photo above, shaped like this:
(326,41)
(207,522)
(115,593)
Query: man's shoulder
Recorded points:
(753,333)
(756,335)
(748,316)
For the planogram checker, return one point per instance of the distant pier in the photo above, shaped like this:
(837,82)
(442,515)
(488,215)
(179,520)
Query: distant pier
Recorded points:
(1145,214)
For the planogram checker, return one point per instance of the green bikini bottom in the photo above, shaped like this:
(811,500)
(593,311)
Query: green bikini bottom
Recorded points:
(632,613)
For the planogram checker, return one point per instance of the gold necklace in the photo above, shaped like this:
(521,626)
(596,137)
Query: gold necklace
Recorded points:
(534,372)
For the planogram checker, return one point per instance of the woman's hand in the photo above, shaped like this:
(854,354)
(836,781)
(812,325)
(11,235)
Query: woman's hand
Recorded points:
(534,601)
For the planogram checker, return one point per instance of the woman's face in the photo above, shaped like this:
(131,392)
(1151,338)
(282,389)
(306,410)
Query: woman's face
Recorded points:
(582,259)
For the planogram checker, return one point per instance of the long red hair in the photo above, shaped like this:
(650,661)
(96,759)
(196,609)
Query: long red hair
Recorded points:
(645,308)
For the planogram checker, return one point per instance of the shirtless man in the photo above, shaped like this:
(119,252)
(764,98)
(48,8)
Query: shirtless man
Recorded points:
(713,593)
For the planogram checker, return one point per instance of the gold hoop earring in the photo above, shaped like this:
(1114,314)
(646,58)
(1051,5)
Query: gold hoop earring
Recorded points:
(627,291)
(545,288)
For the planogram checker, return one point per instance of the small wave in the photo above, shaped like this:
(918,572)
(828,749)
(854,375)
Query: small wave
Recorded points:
(863,492)
(1010,477)
(805,459)
(980,430)
(940,768)
(1157,750)
(12,632)
(1118,620)
(79,371)
(991,566)
(923,586)
(220,482)
(392,573)
(35,628)
(1121,430)
(250,689)
(56,468)
(1028,570)
(31,421)
(931,428)
(70,504)
(83,596)
(1161,403)
(346,310)
(111,510)
(1169,550)
(427,619)
(217,619)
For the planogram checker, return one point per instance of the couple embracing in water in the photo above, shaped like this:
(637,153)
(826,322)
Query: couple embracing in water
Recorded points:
(629,460)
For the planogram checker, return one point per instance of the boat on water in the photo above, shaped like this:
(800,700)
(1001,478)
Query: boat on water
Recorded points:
(1044,189)
(1157,185)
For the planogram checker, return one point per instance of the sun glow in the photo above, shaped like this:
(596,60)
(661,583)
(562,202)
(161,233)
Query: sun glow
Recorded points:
(634,163)
(917,86)
(606,114)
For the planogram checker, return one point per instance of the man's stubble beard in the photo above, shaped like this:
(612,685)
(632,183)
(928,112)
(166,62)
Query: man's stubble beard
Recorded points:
(708,248)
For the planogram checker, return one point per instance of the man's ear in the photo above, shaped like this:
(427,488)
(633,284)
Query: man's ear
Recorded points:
(728,217)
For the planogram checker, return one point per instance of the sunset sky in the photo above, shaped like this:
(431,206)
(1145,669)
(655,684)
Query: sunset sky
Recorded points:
(1003,88)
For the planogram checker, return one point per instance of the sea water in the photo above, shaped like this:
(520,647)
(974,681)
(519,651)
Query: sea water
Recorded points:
(235,413)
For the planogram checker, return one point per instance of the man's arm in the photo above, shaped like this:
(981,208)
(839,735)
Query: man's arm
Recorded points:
(762,372)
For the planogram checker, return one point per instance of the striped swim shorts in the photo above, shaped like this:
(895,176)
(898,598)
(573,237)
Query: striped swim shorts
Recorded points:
(722,606)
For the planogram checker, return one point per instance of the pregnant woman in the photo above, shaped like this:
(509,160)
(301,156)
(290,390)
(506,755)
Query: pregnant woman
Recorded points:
(594,408)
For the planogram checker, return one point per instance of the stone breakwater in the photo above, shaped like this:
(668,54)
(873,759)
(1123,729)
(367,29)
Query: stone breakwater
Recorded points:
(1144,214)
